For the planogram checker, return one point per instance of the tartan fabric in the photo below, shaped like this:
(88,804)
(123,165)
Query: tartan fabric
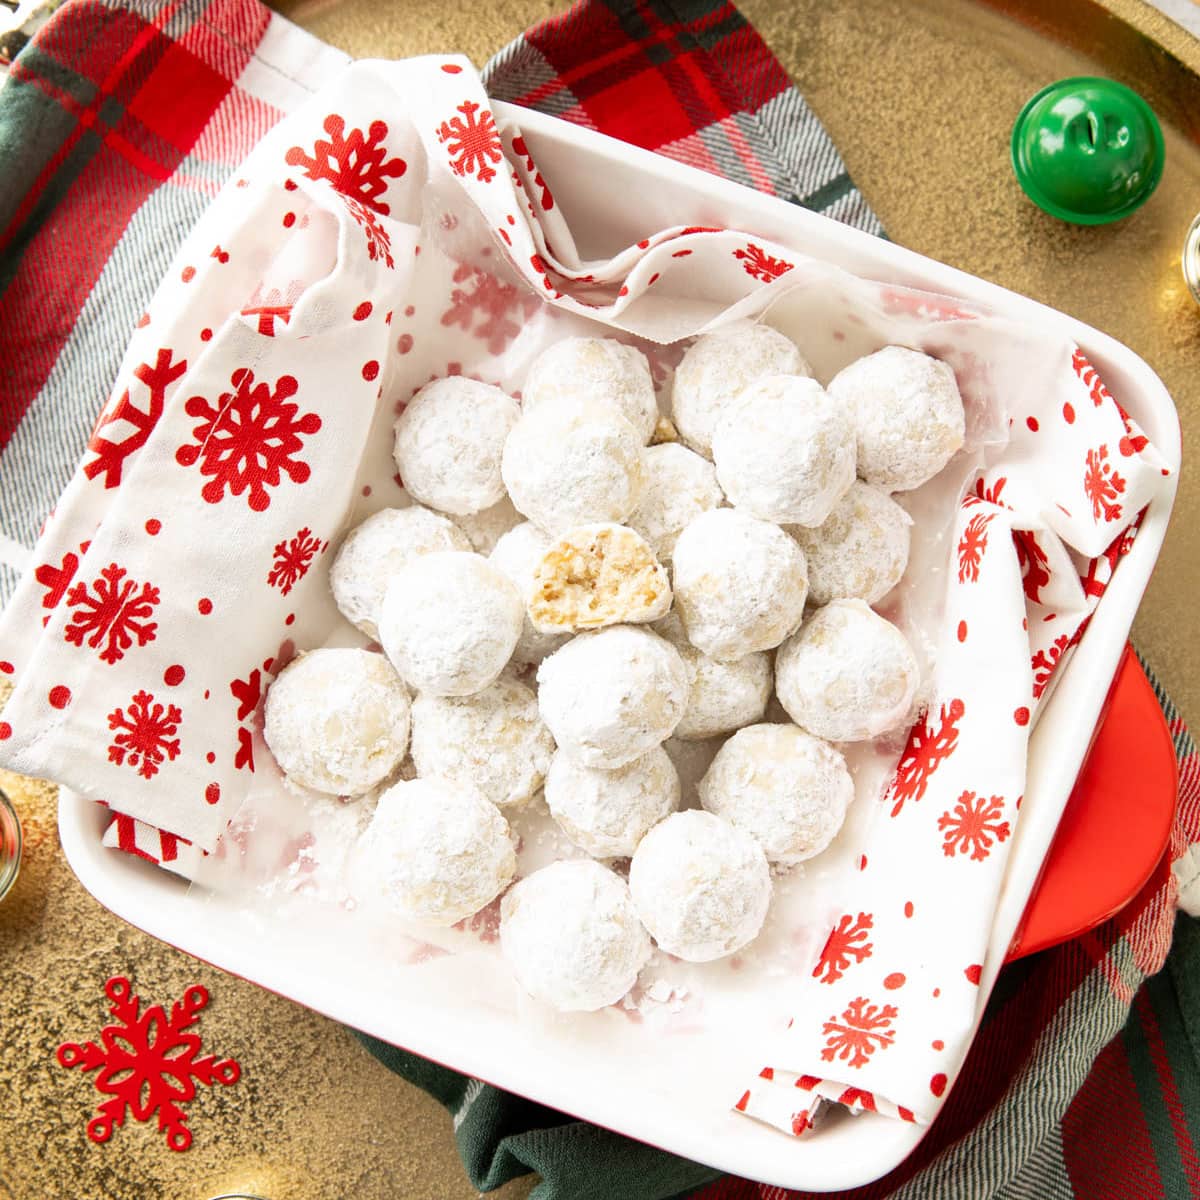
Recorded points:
(122,119)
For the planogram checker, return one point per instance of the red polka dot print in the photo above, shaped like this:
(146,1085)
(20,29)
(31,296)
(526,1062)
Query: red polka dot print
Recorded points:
(204,607)
(289,219)
(895,980)
(908,908)
(653,279)
(6,667)
(623,292)
(5,731)
(59,696)
(188,274)
(937,1085)
(366,489)
(153,526)
(1032,422)
(1021,716)
(370,370)
(212,793)
(974,973)
(451,68)
(409,310)
(404,343)
(173,676)
(206,335)
(363,311)
(1069,414)
(211,757)
(862,863)
(962,631)
(938,1044)
(289,619)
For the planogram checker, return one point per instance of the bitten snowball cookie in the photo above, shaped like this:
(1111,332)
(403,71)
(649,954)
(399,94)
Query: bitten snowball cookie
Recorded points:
(572,464)
(517,554)
(722,696)
(860,551)
(700,886)
(740,584)
(786,789)
(611,696)
(717,367)
(494,740)
(596,369)
(450,622)
(375,550)
(337,720)
(598,575)
(784,451)
(607,813)
(571,936)
(449,441)
(908,415)
(438,851)
(680,485)
(847,675)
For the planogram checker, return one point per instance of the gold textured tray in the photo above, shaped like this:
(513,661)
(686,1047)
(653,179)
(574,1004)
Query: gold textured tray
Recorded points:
(920,97)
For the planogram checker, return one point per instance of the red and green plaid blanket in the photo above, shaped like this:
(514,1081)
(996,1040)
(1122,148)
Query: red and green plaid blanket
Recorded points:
(121,119)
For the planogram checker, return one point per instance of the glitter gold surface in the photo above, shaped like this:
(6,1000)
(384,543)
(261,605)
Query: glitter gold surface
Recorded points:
(920,97)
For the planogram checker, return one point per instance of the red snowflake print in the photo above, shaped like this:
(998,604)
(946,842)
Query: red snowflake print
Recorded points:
(473,142)
(1034,564)
(847,941)
(56,580)
(111,611)
(485,924)
(1090,378)
(379,241)
(986,494)
(927,748)
(249,439)
(487,308)
(1044,662)
(357,166)
(111,455)
(862,1029)
(1102,485)
(292,560)
(546,199)
(144,734)
(971,546)
(919,304)
(1133,442)
(147,1063)
(758,264)
(973,826)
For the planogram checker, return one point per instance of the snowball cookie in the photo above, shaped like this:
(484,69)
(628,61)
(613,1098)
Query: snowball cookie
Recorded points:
(908,415)
(700,885)
(484,529)
(438,851)
(375,550)
(716,368)
(571,936)
(450,622)
(784,451)
(612,695)
(596,369)
(848,674)
(607,813)
(722,696)
(680,485)
(598,575)
(494,740)
(517,554)
(449,441)
(787,789)
(740,584)
(860,551)
(571,464)
(337,720)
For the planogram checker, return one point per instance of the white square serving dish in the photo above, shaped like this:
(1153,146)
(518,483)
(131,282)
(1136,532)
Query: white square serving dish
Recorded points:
(599,1071)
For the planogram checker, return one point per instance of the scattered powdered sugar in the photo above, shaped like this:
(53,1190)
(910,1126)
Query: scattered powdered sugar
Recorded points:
(337,721)
(848,675)
(517,554)
(376,549)
(680,485)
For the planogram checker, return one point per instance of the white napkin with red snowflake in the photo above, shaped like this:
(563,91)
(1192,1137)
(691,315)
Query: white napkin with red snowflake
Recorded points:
(185,561)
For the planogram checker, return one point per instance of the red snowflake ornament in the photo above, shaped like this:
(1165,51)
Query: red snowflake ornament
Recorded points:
(847,941)
(973,826)
(292,560)
(927,748)
(861,1030)
(148,1064)
(971,546)
(144,734)
(758,264)
(356,165)
(249,439)
(472,141)
(1103,485)
(113,612)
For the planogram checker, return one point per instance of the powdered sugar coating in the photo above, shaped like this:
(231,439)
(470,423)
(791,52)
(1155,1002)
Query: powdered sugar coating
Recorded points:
(718,366)
(450,622)
(848,674)
(598,575)
(573,464)
(700,885)
(494,740)
(607,813)
(784,451)
(740,584)
(571,936)
(601,370)
(722,696)
(437,852)
(784,787)
(860,551)
(376,549)
(611,696)
(484,529)
(337,721)
(517,554)
(448,444)
(680,485)
(908,415)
